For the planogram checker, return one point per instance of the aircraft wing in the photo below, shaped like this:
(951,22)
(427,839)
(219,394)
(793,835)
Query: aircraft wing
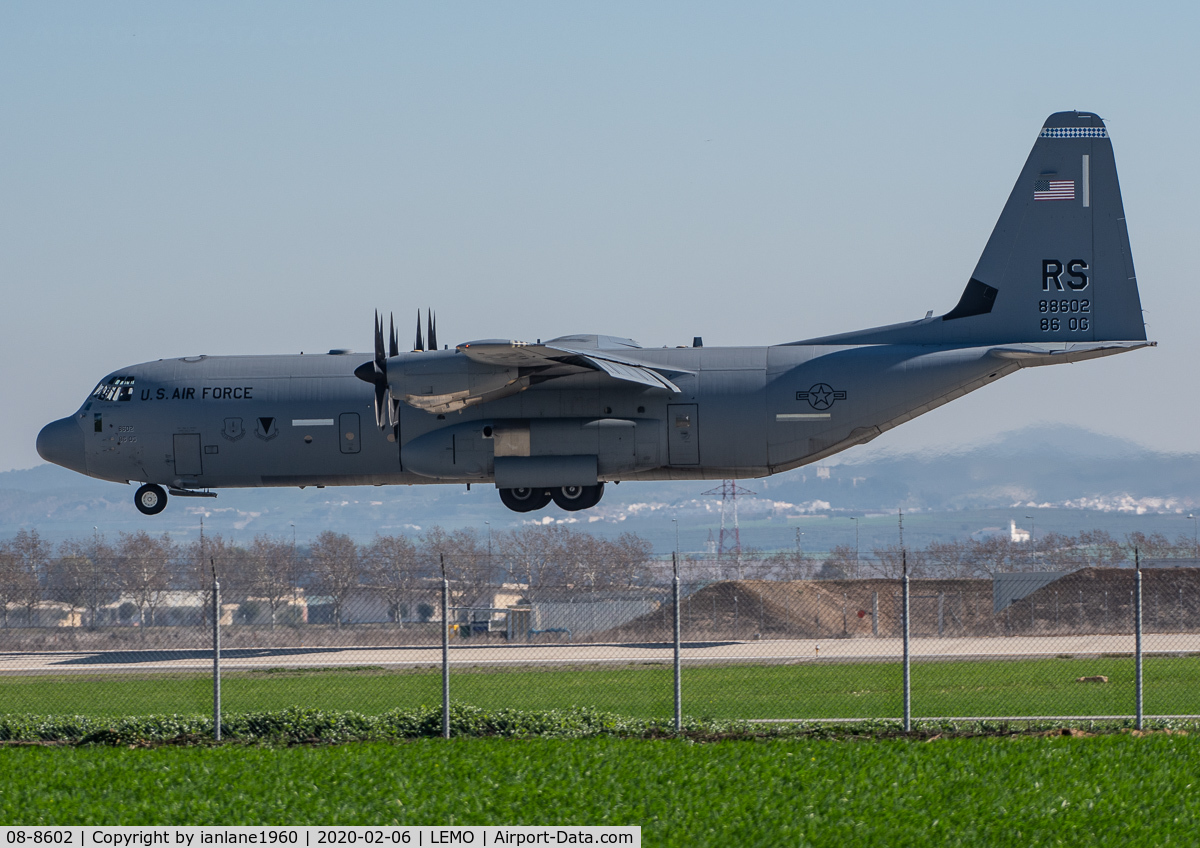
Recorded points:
(561,361)
(510,354)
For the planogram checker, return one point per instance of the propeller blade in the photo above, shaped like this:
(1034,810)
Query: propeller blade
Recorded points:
(419,344)
(432,331)
(381,391)
(387,407)
(375,372)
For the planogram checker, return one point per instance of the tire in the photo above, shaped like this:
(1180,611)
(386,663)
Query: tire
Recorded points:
(524,500)
(575,498)
(150,499)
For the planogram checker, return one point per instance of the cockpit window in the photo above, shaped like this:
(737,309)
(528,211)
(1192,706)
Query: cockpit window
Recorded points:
(115,388)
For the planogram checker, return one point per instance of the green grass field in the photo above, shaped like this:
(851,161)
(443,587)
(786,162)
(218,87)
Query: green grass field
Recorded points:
(867,690)
(1113,790)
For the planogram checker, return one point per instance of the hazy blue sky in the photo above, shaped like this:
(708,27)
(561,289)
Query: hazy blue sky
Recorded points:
(181,178)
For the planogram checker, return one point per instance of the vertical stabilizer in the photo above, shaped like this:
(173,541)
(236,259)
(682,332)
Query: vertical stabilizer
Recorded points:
(1057,267)
(1059,256)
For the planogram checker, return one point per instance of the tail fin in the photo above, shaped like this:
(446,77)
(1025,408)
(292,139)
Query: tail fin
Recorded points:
(1057,267)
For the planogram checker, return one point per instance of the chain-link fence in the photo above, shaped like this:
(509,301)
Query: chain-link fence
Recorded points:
(547,618)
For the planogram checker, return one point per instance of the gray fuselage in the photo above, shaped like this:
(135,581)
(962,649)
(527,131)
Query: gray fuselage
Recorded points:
(303,420)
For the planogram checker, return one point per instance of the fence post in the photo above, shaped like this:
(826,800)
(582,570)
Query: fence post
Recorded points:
(678,681)
(1137,629)
(216,593)
(445,650)
(907,669)
(874,613)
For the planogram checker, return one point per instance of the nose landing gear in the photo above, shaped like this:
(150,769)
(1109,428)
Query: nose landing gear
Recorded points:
(570,498)
(150,499)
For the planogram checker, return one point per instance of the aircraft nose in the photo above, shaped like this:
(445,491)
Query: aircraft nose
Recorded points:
(61,442)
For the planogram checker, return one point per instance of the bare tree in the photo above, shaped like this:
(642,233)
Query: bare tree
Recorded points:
(17,582)
(948,559)
(791,564)
(468,566)
(336,570)
(753,564)
(1048,552)
(102,584)
(840,564)
(1154,545)
(581,561)
(1184,547)
(991,556)
(84,576)
(891,560)
(32,553)
(144,563)
(393,569)
(623,561)
(270,573)
(537,556)
(1104,550)
(197,562)
(66,577)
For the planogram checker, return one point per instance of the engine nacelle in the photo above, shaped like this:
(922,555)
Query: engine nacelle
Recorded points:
(441,382)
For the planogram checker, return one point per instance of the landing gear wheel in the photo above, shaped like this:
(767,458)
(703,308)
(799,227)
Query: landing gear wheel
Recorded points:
(150,499)
(524,500)
(574,498)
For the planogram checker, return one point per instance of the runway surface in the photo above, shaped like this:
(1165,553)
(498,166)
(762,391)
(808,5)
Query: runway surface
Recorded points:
(466,654)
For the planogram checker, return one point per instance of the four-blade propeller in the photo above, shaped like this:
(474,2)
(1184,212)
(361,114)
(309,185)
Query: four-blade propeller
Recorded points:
(375,371)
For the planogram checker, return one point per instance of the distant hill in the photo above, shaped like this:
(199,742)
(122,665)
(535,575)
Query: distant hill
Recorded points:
(1039,468)
(1033,467)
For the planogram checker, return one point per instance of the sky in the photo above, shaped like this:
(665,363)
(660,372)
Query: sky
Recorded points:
(221,178)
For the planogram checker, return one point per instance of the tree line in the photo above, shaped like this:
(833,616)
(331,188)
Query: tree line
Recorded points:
(88,575)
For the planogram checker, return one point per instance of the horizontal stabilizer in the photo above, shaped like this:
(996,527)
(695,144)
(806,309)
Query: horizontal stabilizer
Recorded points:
(1033,354)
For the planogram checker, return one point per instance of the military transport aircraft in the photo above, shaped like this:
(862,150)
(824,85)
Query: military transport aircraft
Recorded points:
(556,420)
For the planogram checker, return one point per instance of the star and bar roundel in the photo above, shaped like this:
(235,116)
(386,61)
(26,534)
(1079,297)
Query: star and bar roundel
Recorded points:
(821,396)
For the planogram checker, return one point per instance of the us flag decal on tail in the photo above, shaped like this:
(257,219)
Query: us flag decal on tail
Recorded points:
(1054,190)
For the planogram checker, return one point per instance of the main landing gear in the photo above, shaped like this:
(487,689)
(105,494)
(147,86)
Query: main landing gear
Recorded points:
(150,499)
(570,498)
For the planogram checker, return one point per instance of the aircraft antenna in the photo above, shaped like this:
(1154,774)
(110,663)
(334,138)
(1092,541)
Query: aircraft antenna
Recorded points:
(729,545)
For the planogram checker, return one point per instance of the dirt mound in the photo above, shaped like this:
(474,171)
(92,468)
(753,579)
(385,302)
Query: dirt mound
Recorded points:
(1088,601)
(764,609)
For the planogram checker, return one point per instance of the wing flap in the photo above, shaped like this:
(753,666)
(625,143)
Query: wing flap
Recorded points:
(634,374)
(544,356)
